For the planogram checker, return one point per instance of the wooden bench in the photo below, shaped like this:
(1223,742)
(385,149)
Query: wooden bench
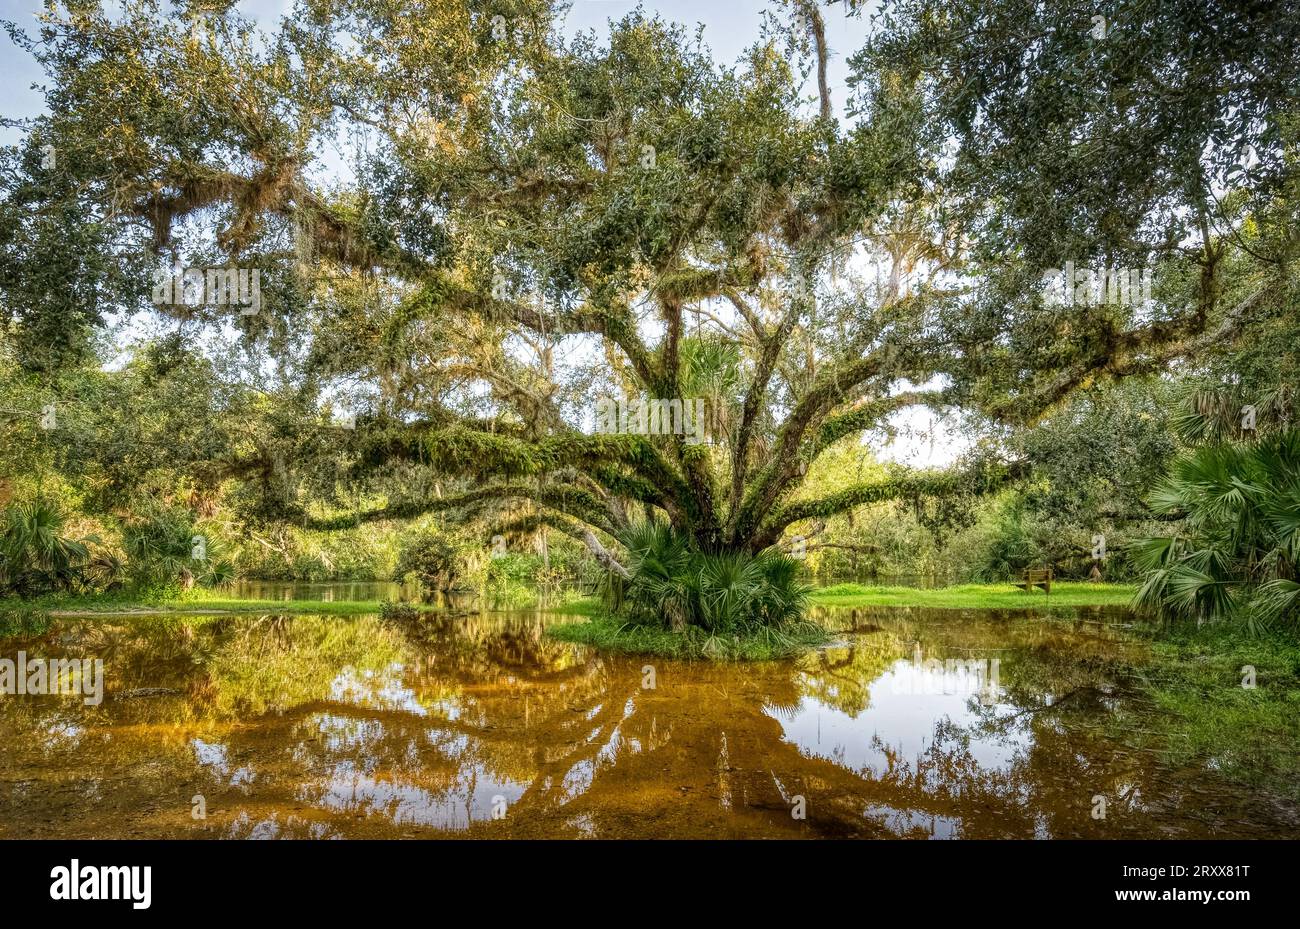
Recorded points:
(1037,577)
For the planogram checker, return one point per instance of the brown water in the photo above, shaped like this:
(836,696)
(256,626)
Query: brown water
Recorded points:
(481,726)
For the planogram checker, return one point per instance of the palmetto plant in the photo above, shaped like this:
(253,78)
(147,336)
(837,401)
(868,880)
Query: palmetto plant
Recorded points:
(105,570)
(35,556)
(1240,547)
(711,371)
(160,549)
(673,584)
(1211,416)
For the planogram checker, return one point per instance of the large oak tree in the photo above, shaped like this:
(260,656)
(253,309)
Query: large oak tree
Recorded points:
(527,222)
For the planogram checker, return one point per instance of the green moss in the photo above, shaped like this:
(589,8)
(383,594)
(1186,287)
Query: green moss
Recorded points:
(1065,595)
(614,635)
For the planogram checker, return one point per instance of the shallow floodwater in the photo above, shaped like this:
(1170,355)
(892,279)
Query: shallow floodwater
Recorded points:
(341,591)
(325,591)
(479,725)
(353,591)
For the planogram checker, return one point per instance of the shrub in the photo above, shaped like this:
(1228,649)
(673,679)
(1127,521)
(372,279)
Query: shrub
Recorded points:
(676,586)
(161,549)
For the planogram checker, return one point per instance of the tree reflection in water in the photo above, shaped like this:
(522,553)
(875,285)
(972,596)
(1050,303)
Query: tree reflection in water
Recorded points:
(320,727)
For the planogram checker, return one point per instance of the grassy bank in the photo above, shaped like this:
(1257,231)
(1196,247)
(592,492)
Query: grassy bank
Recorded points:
(1064,595)
(978,596)
(614,635)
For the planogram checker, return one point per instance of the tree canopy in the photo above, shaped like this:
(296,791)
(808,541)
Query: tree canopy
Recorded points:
(525,222)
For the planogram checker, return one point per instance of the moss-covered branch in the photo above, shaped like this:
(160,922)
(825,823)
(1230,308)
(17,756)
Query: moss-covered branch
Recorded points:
(871,414)
(984,479)
(566,498)
(481,455)
(1117,354)
(615,323)
(571,527)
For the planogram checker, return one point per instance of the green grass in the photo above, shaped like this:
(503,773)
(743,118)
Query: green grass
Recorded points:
(1065,595)
(614,635)
(604,632)
(587,606)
